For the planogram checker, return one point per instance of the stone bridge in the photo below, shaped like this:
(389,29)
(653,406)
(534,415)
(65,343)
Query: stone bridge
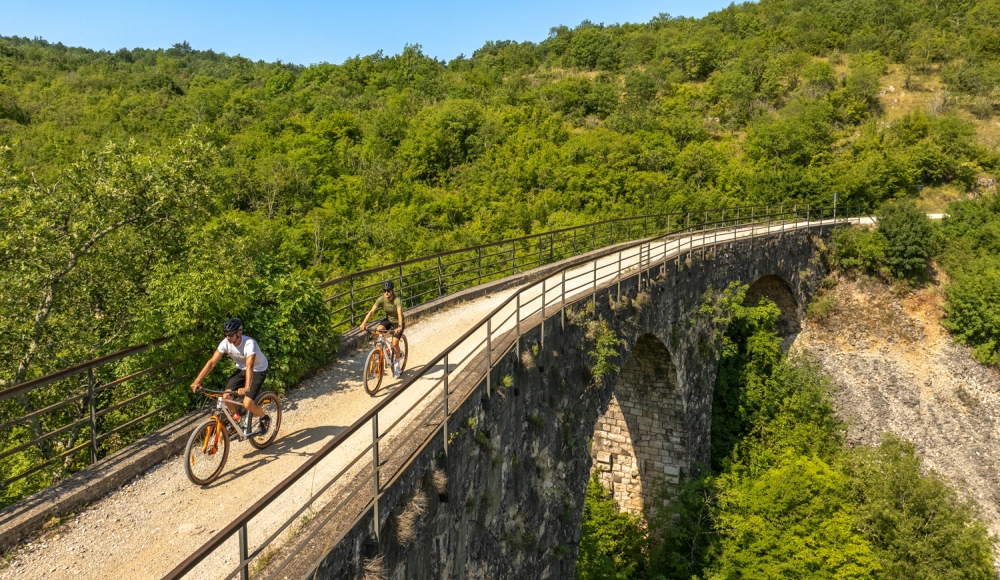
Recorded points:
(505,500)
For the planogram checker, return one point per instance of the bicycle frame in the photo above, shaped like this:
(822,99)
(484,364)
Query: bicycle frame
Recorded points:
(221,406)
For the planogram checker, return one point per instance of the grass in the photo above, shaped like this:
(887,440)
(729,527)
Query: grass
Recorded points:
(411,518)
(935,198)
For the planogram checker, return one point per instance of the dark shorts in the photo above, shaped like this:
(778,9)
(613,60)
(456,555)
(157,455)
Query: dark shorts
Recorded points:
(384,323)
(238,380)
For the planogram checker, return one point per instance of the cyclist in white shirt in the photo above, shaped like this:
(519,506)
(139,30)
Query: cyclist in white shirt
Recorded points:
(251,369)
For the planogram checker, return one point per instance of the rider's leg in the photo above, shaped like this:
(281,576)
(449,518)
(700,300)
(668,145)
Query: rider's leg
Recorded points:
(235,381)
(395,346)
(253,407)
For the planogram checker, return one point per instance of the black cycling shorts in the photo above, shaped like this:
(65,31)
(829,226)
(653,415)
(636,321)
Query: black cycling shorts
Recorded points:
(384,323)
(238,380)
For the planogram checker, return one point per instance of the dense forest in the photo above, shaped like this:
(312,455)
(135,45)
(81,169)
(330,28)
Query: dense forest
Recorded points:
(155,192)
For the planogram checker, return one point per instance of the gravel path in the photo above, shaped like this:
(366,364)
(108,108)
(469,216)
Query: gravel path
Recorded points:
(149,526)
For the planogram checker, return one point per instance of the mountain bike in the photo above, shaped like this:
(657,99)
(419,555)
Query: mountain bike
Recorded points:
(208,447)
(381,358)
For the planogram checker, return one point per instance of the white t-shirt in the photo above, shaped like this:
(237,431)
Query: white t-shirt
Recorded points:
(239,354)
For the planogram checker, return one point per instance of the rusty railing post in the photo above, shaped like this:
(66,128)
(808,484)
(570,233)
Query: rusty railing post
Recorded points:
(480,265)
(439,276)
(489,356)
(444,419)
(375,476)
(619,295)
(352,301)
(513,258)
(562,313)
(401,285)
(594,300)
(543,313)
(244,554)
(93,415)
(517,323)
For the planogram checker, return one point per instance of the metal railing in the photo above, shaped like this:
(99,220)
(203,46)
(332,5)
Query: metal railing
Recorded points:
(420,409)
(91,396)
(430,277)
(76,411)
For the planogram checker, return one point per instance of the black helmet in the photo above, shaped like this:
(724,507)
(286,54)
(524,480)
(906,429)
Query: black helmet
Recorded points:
(387,286)
(232,325)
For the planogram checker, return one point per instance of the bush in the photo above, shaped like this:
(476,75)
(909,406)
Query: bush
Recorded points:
(859,249)
(612,543)
(917,524)
(283,310)
(791,521)
(973,309)
(909,238)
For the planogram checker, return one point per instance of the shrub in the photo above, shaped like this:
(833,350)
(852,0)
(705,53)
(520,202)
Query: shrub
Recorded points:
(791,521)
(820,308)
(973,309)
(612,544)
(859,249)
(909,238)
(917,524)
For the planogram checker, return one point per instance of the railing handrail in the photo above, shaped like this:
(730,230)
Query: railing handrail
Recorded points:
(591,242)
(234,526)
(394,265)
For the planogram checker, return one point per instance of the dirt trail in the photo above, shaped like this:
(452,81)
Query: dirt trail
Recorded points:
(149,526)
(898,371)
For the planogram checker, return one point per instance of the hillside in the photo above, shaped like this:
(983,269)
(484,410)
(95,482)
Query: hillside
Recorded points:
(897,371)
(157,192)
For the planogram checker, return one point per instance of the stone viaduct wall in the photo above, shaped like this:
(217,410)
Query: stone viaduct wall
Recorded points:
(518,466)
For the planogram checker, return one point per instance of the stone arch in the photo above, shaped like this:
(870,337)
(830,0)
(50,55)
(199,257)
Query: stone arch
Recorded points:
(642,436)
(779,292)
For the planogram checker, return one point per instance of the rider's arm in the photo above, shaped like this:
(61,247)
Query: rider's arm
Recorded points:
(399,317)
(246,387)
(369,315)
(216,357)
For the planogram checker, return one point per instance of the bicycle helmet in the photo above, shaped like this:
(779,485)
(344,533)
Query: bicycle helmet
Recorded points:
(232,325)
(387,286)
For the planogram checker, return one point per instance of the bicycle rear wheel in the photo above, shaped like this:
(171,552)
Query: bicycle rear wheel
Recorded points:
(272,408)
(206,452)
(404,350)
(373,371)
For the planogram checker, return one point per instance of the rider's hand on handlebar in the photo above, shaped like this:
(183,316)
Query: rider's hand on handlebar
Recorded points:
(195,387)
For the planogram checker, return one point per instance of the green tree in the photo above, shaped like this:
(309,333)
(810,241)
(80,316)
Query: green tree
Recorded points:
(612,543)
(918,526)
(909,238)
(77,253)
(791,521)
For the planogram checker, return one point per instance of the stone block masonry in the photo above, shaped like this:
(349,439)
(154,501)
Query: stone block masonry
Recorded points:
(641,435)
(517,478)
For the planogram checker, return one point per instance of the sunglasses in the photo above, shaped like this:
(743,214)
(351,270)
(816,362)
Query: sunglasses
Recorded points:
(230,334)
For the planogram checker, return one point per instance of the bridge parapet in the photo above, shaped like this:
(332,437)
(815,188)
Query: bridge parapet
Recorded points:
(516,407)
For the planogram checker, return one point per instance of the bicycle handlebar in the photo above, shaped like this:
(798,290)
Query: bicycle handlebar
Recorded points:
(373,328)
(211,392)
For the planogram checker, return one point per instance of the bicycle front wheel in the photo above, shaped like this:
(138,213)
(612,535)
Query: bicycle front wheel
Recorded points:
(373,371)
(206,452)
(272,408)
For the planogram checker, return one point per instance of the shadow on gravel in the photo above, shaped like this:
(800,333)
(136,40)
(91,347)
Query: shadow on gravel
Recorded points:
(285,445)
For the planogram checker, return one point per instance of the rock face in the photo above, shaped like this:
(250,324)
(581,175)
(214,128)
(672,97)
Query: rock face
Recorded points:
(517,461)
(896,370)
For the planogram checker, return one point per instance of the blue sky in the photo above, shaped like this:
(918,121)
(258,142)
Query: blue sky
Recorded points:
(305,32)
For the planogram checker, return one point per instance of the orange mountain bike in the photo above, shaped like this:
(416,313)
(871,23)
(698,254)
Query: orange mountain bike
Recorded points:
(381,358)
(208,447)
